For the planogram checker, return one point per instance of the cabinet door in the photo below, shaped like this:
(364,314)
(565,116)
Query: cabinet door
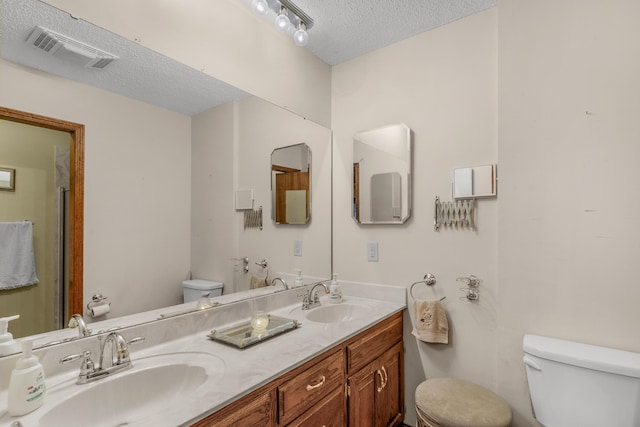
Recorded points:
(361,397)
(375,393)
(389,395)
(330,412)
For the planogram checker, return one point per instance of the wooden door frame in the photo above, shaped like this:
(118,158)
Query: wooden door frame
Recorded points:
(76,214)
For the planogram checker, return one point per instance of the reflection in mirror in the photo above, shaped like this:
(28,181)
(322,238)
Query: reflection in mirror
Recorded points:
(290,184)
(149,230)
(474,182)
(7,179)
(381,188)
(49,154)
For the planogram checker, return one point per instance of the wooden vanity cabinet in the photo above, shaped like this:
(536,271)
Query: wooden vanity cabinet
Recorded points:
(375,386)
(374,392)
(358,383)
(307,386)
(256,409)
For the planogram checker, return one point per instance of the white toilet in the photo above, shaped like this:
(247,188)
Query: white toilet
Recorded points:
(581,385)
(195,289)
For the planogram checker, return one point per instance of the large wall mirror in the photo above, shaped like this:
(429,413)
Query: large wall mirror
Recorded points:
(290,184)
(381,191)
(159,183)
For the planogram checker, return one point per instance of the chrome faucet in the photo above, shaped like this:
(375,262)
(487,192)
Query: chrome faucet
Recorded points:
(77,321)
(273,282)
(119,359)
(311,298)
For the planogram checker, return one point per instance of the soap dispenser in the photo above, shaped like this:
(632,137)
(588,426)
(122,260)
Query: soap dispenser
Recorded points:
(26,386)
(335,292)
(298,281)
(7,343)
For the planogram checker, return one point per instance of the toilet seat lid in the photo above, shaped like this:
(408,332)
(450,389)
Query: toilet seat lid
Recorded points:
(452,402)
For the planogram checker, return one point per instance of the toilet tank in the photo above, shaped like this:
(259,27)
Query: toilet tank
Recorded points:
(195,289)
(580,385)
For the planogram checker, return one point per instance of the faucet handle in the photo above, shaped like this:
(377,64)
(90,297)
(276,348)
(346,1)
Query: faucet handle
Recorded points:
(135,340)
(87,365)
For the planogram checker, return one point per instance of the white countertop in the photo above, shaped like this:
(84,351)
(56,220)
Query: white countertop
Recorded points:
(244,370)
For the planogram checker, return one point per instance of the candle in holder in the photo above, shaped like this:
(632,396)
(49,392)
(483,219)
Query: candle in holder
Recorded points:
(259,321)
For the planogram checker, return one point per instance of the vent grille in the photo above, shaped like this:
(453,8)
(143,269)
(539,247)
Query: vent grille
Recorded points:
(68,49)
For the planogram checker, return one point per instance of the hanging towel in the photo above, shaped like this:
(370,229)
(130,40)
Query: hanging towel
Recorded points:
(431,322)
(17,257)
(258,282)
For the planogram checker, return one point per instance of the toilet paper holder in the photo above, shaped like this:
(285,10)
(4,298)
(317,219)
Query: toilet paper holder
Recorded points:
(96,300)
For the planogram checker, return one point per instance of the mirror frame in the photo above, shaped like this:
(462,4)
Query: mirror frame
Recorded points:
(76,214)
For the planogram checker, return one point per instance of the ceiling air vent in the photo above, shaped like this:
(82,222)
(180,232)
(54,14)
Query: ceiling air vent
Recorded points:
(69,49)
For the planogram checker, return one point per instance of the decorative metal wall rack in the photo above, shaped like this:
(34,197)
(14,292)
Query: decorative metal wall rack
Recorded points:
(457,213)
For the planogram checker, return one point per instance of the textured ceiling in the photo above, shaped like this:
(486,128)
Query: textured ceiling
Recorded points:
(141,73)
(346,29)
(343,29)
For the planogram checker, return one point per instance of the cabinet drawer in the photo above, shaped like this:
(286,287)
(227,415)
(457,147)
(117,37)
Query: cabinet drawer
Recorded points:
(256,409)
(328,413)
(365,348)
(309,386)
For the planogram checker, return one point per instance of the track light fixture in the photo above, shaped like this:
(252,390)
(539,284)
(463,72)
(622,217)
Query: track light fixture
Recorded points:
(289,18)
(282,20)
(261,7)
(301,37)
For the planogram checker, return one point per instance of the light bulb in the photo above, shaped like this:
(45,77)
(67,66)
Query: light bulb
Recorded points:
(301,37)
(282,20)
(261,7)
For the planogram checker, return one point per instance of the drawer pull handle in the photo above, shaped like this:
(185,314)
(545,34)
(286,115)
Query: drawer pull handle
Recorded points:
(318,384)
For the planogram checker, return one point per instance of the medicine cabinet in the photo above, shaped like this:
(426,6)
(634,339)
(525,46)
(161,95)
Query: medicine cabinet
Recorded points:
(475,182)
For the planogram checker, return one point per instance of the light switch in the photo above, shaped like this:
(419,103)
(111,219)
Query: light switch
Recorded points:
(372,251)
(297,248)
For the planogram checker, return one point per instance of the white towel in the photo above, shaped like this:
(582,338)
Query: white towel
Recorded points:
(431,322)
(17,257)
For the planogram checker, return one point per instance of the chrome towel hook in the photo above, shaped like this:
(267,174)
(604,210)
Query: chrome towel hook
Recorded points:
(471,290)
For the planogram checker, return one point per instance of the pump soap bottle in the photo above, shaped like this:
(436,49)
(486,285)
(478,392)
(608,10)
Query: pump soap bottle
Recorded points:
(26,386)
(7,343)
(298,282)
(335,292)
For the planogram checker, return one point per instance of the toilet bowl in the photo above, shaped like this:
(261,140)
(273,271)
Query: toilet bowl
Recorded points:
(580,385)
(195,289)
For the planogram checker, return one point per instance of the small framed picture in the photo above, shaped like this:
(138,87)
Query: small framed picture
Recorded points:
(7,179)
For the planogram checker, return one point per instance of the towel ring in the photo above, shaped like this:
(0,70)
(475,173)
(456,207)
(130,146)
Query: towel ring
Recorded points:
(429,280)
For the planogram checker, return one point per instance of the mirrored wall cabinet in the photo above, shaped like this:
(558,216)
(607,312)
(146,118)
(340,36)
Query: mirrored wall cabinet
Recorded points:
(475,182)
(381,191)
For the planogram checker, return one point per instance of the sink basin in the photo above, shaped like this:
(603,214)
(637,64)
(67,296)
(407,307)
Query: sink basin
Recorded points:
(154,384)
(343,312)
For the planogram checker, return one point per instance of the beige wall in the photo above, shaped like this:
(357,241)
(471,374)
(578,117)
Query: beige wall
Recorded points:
(212,218)
(232,146)
(30,151)
(568,231)
(137,186)
(225,40)
(443,85)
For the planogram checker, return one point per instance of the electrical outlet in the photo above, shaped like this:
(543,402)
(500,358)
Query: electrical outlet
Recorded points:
(297,248)
(372,251)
